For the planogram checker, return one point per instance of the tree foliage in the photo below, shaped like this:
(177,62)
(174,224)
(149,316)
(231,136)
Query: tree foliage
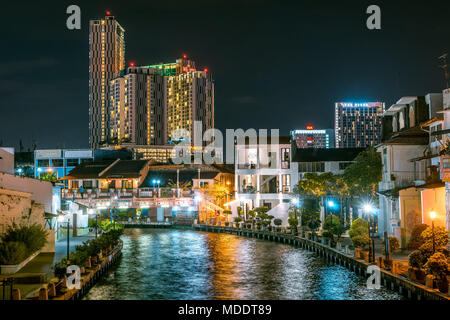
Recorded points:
(333,226)
(314,184)
(437,265)
(416,239)
(48,176)
(310,213)
(359,227)
(363,176)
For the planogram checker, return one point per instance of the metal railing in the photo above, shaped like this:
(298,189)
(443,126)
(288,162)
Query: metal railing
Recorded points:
(98,193)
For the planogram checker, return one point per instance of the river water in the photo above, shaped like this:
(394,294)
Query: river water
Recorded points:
(185,264)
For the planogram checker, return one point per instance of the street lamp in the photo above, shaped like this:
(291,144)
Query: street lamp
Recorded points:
(433,216)
(296,203)
(369,209)
(91,212)
(61,220)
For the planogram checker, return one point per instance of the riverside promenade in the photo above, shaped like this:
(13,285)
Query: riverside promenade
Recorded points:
(342,256)
(39,271)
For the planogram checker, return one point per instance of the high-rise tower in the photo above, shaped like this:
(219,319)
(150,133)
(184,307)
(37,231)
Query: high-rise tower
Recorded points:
(148,103)
(106,60)
(358,125)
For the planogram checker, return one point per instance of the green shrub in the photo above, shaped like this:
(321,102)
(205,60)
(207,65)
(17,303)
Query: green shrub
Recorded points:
(360,241)
(440,236)
(333,226)
(88,249)
(359,227)
(437,265)
(107,226)
(293,222)
(91,223)
(416,259)
(237,219)
(277,222)
(33,236)
(416,239)
(12,252)
(394,244)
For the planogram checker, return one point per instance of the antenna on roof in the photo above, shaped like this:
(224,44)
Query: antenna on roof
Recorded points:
(444,67)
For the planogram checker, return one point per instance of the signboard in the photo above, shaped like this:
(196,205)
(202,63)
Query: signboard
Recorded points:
(44,154)
(78,154)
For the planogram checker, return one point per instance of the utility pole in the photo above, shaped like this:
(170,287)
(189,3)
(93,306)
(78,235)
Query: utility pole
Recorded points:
(443,66)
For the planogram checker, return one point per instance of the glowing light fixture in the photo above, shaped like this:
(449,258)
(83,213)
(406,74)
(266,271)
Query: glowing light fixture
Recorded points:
(368,208)
(432,214)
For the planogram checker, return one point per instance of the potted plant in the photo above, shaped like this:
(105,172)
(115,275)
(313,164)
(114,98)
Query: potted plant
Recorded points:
(277,222)
(437,265)
(416,261)
(387,263)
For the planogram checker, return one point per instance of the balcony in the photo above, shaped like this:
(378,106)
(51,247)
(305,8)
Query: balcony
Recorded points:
(139,193)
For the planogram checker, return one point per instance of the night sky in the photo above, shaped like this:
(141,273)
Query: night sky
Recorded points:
(275,65)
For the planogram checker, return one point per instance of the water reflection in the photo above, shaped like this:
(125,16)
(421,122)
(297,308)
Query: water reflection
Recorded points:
(183,264)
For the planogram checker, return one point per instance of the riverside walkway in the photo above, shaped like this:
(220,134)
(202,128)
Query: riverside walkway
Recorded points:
(38,271)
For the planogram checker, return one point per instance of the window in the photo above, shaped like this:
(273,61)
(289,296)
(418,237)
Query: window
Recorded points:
(203,184)
(85,160)
(286,183)
(127,184)
(285,158)
(71,162)
(446,163)
(57,163)
(43,163)
(87,184)
(311,167)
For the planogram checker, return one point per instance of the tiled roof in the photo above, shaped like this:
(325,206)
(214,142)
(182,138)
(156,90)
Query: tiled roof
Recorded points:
(107,169)
(187,173)
(411,136)
(125,168)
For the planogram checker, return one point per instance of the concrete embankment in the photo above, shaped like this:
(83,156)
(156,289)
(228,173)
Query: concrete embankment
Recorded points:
(57,289)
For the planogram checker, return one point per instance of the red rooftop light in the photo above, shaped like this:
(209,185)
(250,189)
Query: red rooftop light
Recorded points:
(108,12)
(206,69)
(131,64)
(309,127)
(184,56)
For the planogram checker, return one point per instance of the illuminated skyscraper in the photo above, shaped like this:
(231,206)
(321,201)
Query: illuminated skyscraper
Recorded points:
(358,125)
(106,60)
(149,102)
(190,97)
(313,138)
(137,107)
